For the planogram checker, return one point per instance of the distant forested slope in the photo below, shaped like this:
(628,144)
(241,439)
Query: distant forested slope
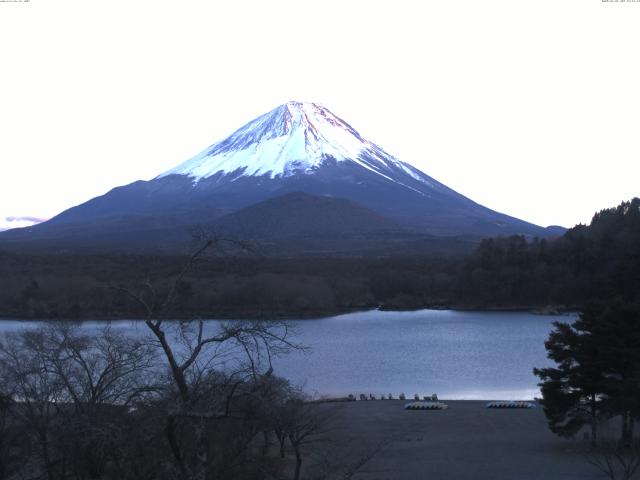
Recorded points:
(587,262)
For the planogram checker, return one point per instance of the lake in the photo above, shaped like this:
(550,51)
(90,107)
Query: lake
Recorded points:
(456,354)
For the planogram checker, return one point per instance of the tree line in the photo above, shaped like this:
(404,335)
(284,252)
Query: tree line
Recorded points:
(596,378)
(598,260)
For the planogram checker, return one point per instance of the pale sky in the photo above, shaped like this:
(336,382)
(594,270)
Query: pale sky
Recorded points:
(531,108)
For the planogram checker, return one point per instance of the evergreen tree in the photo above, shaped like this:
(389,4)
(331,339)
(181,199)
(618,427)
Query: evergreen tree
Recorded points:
(598,370)
(616,327)
(573,392)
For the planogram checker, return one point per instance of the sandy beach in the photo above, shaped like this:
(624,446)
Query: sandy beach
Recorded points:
(467,441)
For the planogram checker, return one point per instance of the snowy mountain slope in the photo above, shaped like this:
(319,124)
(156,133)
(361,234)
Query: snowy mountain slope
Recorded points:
(297,147)
(294,138)
(304,147)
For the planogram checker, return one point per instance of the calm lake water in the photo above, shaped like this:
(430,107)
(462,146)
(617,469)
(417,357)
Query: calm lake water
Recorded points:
(458,355)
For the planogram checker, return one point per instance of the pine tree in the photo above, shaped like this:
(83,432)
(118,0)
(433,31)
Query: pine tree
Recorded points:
(598,370)
(573,392)
(616,328)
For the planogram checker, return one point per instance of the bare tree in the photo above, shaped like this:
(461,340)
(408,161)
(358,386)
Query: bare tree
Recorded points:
(188,399)
(106,368)
(307,426)
(36,392)
(301,422)
(101,376)
(616,461)
(67,387)
(9,461)
(241,349)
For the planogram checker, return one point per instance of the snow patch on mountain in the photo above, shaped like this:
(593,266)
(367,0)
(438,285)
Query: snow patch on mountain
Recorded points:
(294,138)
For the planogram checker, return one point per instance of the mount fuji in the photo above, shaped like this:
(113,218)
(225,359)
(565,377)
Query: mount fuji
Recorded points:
(297,148)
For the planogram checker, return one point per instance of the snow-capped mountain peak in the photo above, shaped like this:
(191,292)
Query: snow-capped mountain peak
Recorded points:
(294,138)
(299,152)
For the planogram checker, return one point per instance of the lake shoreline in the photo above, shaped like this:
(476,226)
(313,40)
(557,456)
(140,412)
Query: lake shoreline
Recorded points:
(313,315)
(456,354)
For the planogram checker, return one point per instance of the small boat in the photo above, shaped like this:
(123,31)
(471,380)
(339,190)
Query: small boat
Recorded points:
(426,406)
(510,404)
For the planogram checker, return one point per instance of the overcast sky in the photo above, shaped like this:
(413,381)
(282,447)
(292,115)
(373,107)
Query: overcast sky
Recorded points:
(528,107)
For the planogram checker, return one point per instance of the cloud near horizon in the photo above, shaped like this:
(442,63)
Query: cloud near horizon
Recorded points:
(7,223)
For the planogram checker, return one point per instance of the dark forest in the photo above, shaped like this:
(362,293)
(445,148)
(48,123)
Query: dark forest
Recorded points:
(589,261)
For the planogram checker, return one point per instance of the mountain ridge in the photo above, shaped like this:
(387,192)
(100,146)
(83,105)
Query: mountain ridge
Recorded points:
(301,214)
